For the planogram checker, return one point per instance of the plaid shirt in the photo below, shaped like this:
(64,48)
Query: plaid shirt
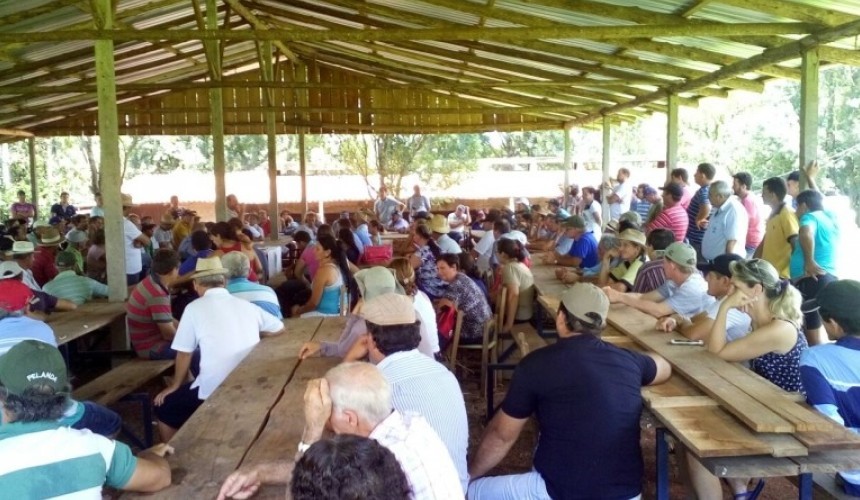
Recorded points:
(421,454)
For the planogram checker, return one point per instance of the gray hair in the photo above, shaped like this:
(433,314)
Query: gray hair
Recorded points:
(214,281)
(237,264)
(721,188)
(360,387)
(608,242)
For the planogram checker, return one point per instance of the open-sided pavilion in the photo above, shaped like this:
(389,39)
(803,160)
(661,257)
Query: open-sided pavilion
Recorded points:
(155,67)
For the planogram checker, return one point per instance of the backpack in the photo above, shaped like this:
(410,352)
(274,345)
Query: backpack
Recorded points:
(446,321)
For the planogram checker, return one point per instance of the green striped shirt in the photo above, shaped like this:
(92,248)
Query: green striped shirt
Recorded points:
(78,289)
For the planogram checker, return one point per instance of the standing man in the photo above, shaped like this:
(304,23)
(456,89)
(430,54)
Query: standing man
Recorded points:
(592,211)
(727,229)
(741,185)
(63,210)
(98,210)
(183,228)
(163,234)
(781,228)
(134,241)
(385,205)
(174,209)
(22,209)
(586,395)
(225,329)
(417,202)
(700,207)
(672,216)
(681,177)
(458,220)
(620,196)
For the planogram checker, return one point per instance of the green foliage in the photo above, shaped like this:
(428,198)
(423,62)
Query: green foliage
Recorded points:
(530,144)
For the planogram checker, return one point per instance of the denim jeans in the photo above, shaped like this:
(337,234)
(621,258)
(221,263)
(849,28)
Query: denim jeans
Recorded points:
(528,486)
(99,420)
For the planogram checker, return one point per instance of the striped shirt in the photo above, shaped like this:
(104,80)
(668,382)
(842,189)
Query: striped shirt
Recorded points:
(694,234)
(421,455)
(45,460)
(421,385)
(261,296)
(674,219)
(148,305)
(78,289)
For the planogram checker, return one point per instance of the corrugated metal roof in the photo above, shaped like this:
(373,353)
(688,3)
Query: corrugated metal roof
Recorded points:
(641,64)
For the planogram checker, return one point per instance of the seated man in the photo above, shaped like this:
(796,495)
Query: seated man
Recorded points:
(831,372)
(583,250)
(419,384)
(651,275)
(355,398)
(40,457)
(225,329)
(69,285)
(586,396)
(238,267)
(42,303)
(684,292)
(397,224)
(556,239)
(718,274)
(151,326)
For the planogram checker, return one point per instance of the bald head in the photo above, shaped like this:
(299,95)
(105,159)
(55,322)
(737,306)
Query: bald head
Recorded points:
(360,388)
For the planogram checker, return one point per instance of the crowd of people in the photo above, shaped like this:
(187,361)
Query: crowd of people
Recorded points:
(700,258)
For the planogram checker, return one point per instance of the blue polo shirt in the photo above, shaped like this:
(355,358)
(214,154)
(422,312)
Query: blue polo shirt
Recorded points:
(586,249)
(586,395)
(825,234)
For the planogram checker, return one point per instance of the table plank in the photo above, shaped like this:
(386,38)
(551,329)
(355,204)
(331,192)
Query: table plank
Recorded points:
(87,318)
(709,431)
(213,441)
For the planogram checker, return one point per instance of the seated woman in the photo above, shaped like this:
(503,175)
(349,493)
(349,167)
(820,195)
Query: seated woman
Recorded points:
(773,348)
(424,262)
(333,272)
(346,239)
(619,266)
(520,284)
(464,295)
(226,240)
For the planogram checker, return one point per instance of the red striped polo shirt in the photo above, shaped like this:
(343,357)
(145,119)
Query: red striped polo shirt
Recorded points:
(148,305)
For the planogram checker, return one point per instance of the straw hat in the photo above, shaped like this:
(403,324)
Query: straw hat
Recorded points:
(22,248)
(127,201)
(633,236)
(167,218)
(210,266)
(439,224)
(49,237)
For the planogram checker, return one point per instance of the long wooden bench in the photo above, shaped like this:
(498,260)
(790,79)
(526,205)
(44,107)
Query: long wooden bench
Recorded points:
(119,384)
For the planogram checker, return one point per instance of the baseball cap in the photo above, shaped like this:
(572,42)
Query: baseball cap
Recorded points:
(649,191)
(10,269)
(574,221)
(523,201)
(31,363)
(14,295)
(839,299)
(721,264)
(375,281)
(389,309)
(66,259)
(673,189)
(681,253)
(794,176)
(584,300)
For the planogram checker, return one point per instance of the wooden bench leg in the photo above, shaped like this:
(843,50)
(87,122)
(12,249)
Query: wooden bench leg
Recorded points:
(146,412)
(662,464)
(804,486)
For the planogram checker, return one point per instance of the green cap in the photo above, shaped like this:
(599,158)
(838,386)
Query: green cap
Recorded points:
(682,254)
(574,221)
(66,259)
(586,302)
(31,363)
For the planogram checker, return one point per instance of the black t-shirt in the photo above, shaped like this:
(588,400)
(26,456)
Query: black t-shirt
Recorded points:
(587,397)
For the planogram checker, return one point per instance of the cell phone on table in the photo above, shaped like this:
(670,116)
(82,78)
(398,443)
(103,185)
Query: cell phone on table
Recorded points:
(686,342)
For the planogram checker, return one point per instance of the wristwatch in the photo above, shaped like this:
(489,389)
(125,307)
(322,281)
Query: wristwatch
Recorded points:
(303,447)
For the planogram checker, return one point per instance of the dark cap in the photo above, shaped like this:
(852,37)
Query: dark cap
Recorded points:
(674,189)
(574,222)
(721,264)
(840,299)
(794,176)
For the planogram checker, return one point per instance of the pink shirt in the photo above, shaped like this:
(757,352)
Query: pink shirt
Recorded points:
(310,260)
(754,230)
(673,219)
(688,195)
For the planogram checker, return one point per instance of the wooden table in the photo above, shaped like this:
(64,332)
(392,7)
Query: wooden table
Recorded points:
(737,423)
(254,415)
(87,318)
(394,236)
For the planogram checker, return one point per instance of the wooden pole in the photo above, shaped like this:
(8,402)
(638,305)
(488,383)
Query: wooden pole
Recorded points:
(303,172)
(268,70)
(808,112)
(34,190)
(671,135)
(216,110)
(607,145)
(109,162)
(568,159)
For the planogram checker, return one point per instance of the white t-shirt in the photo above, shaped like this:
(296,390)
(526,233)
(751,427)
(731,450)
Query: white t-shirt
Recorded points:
(588,213)
(430,333)
(133,257)
(163,236)
(453,218)
(626,194)
(484,248)
(225,328)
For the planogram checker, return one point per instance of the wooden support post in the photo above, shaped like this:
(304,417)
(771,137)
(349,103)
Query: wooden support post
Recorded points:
(109,162)
(808,112)
(216,110)
(671,135)
(607,128)
(34,190)
(568,155)
(303,172)
(268,70)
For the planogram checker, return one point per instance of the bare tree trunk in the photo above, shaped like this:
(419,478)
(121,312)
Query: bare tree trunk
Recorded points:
(85,144)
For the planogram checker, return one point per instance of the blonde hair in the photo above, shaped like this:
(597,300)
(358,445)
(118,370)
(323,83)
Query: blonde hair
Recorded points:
(404,273)
(783,299)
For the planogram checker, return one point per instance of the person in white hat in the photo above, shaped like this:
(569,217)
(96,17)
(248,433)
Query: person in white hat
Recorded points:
(134,241)
(225,329)
(586,396)
(441,235)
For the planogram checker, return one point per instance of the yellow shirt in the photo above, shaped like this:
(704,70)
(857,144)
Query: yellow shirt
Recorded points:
(776,248)
(180,231)
(626,272)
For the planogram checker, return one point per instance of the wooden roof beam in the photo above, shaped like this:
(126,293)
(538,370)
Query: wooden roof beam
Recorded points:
(793,10)
(788,51)
(408,34)
(252,19)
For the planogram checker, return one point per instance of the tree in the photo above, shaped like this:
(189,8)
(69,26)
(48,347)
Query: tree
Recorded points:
(530,144)
(381,160)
